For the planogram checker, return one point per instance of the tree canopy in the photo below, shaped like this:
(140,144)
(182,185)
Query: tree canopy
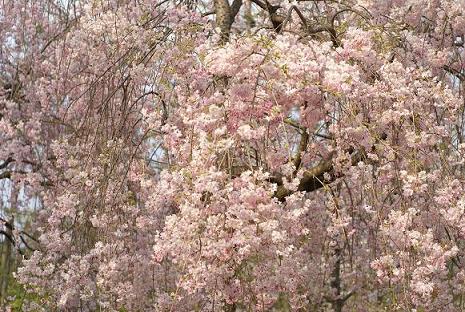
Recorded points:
(246,155)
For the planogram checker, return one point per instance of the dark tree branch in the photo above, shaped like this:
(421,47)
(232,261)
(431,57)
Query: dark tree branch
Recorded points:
(25,243)
(261,4)
(6,223)
(235,7)
(6,163)
(279,22)
(454,72)
(304,137)
(5,175)
(10,227)
(12,241)
(223,19)
(29,235)
(276,19)
(313,178)
(208,13)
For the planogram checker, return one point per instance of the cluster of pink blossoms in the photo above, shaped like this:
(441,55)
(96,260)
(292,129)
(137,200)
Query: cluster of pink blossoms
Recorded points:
(237,155)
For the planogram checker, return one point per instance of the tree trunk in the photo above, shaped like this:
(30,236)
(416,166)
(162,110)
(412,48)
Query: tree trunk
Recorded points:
(5,263)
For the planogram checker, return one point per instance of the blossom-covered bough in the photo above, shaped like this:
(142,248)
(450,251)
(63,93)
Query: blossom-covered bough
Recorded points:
(249,155)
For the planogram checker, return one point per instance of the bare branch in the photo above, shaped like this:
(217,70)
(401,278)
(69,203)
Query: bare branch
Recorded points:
(5,175)
(235,7)
(6,162)
(454,72)
(313,178)
(223,18)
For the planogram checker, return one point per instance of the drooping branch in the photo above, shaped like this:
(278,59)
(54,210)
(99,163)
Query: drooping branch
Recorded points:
(9,226)
(25,243)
